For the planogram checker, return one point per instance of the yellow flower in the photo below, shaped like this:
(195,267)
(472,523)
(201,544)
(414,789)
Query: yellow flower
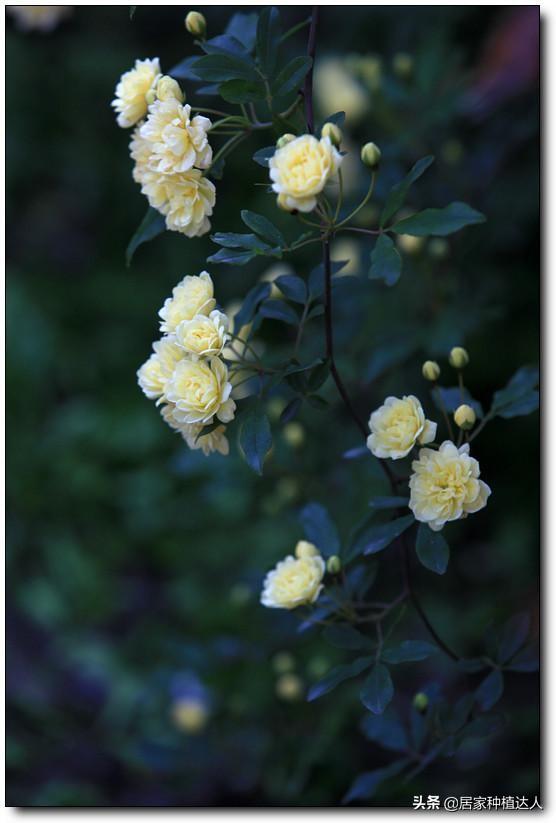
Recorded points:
(300,170)
(157,370)
(200,390)
(178,142)
(130,101)
(169,89)
(212,441)
(445,485)
(296,581)
(189,204)
(193,295)
(397,426)
(203,336)
(195,23)
(140,151)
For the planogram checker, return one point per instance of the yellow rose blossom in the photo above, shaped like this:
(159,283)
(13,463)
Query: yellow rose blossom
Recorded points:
(203,336)
(192,296)
(445,485)
(201,391)
(169,89)
(130,100)
(300,170)
(296,581)
(212,441)
(157,370)
(190,201)
(178,142)
(397,426)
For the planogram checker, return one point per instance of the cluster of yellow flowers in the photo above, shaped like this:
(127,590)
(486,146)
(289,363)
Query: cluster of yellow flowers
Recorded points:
(169,147)
(186,373)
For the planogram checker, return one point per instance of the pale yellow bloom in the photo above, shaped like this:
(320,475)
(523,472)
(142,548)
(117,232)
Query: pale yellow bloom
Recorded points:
(190,201)
(333,81)
(157,370)
(192,296)
(203,336)
(201,391)
(41,18)
(130,101)
(178,142)
(296,581)
(397,426)
(212,441)
(445,485)
(169,89)
(300,170)
(140,152)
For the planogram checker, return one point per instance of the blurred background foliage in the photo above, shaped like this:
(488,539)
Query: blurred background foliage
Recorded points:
(141,668)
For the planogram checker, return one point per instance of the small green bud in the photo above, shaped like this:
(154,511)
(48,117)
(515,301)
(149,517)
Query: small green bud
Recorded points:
(431,370)
(196,24)
(420,701)
(465,417)
(333,564)
(332,131)
(458,358)
(402,64)
(284,140)
(370,155)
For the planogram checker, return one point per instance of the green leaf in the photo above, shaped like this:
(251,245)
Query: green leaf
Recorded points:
(432,550)
(365,785)
(255,439)
(337,675)
(262,156)
(490,690)
(453,397)
(263,227)
(235,257)
(152,224)
(268,37)
(225,44)
(527,660)
(292,287)
(378,537)
(439,222)
(385,730)
(386,502)
(233,240)
(520,396)
(183,70)
(409,651)
(320,529)
(278,310)
(398,193)
(378,689)
(344,636)
(386,261)
(222,67)
(250,304)
(291,410)
(513,636)
(291,76)
(241,91)
(243,27)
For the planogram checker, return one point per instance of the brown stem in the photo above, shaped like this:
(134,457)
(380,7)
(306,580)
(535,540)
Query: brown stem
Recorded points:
(308,86)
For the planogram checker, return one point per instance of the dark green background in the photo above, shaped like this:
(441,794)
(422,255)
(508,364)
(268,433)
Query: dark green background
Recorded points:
(133,563)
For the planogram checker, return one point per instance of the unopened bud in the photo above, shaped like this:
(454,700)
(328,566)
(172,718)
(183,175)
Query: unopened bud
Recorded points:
(370,155)
(458,358)
(282,203)
(431,370)
(465,417)
(150,97)
(196,24)
(403,65)
(167,89)
(333,133)
(304,549)
(420,701)
(284,140)
(333,564)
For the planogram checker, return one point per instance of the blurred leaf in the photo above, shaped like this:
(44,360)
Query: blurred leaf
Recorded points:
(244,28)
(234,257)
(278,310)
(338,118)
(268,39)
(366,784)
(378,689)
(263,227)
(409,651)
(513,636)
(386,730)
(490,690)
(184,69)
(485,726)
(291,410)
(320,529)
(316,277)
(439,222)
(255,439)
(471,665)
(344,636)
(225,44)
(386,261)
(398,193)
(233,240)
(291,76)
(453,397)
(292,287)
(250,304)
(376,537)
(241,91)
(526,660)
(221,67)
(152,224)
(519,396)
(432,549)
(262,156)
(387,502)
(337,675)
(356,453)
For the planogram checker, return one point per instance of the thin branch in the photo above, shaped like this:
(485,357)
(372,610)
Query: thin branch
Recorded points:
(308,86)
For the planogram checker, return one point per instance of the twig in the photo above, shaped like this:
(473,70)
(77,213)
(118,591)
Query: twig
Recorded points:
(308,86)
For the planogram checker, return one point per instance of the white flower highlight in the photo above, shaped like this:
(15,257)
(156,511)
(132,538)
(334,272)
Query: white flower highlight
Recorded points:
(192,296)
(203,336)
(397,426)
(178,142)
(130,101)
(295,581)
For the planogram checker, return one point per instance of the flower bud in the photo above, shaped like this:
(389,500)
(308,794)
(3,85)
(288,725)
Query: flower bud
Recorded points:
(196,24)
(167,88)
(370,155)
(150,97)
(403,65)
(282,203)
(284,140)
(431,370)
(458,358)
(334,564)
(465,417)
(420,701)
(332,131)
(305,549)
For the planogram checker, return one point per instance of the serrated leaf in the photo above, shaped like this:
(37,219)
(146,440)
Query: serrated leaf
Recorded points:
(320,529)
(365,785)
(398,193)
(255,439)
(152,224)
(278,310)
(432,549)
(241,91)
(409,651)
(338,675)
(263,227)
(490,690)
(439,222)
(291,76)
(268,37)
(386,261)
(292,287)
(378,689)
(386,730)
(344,636)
